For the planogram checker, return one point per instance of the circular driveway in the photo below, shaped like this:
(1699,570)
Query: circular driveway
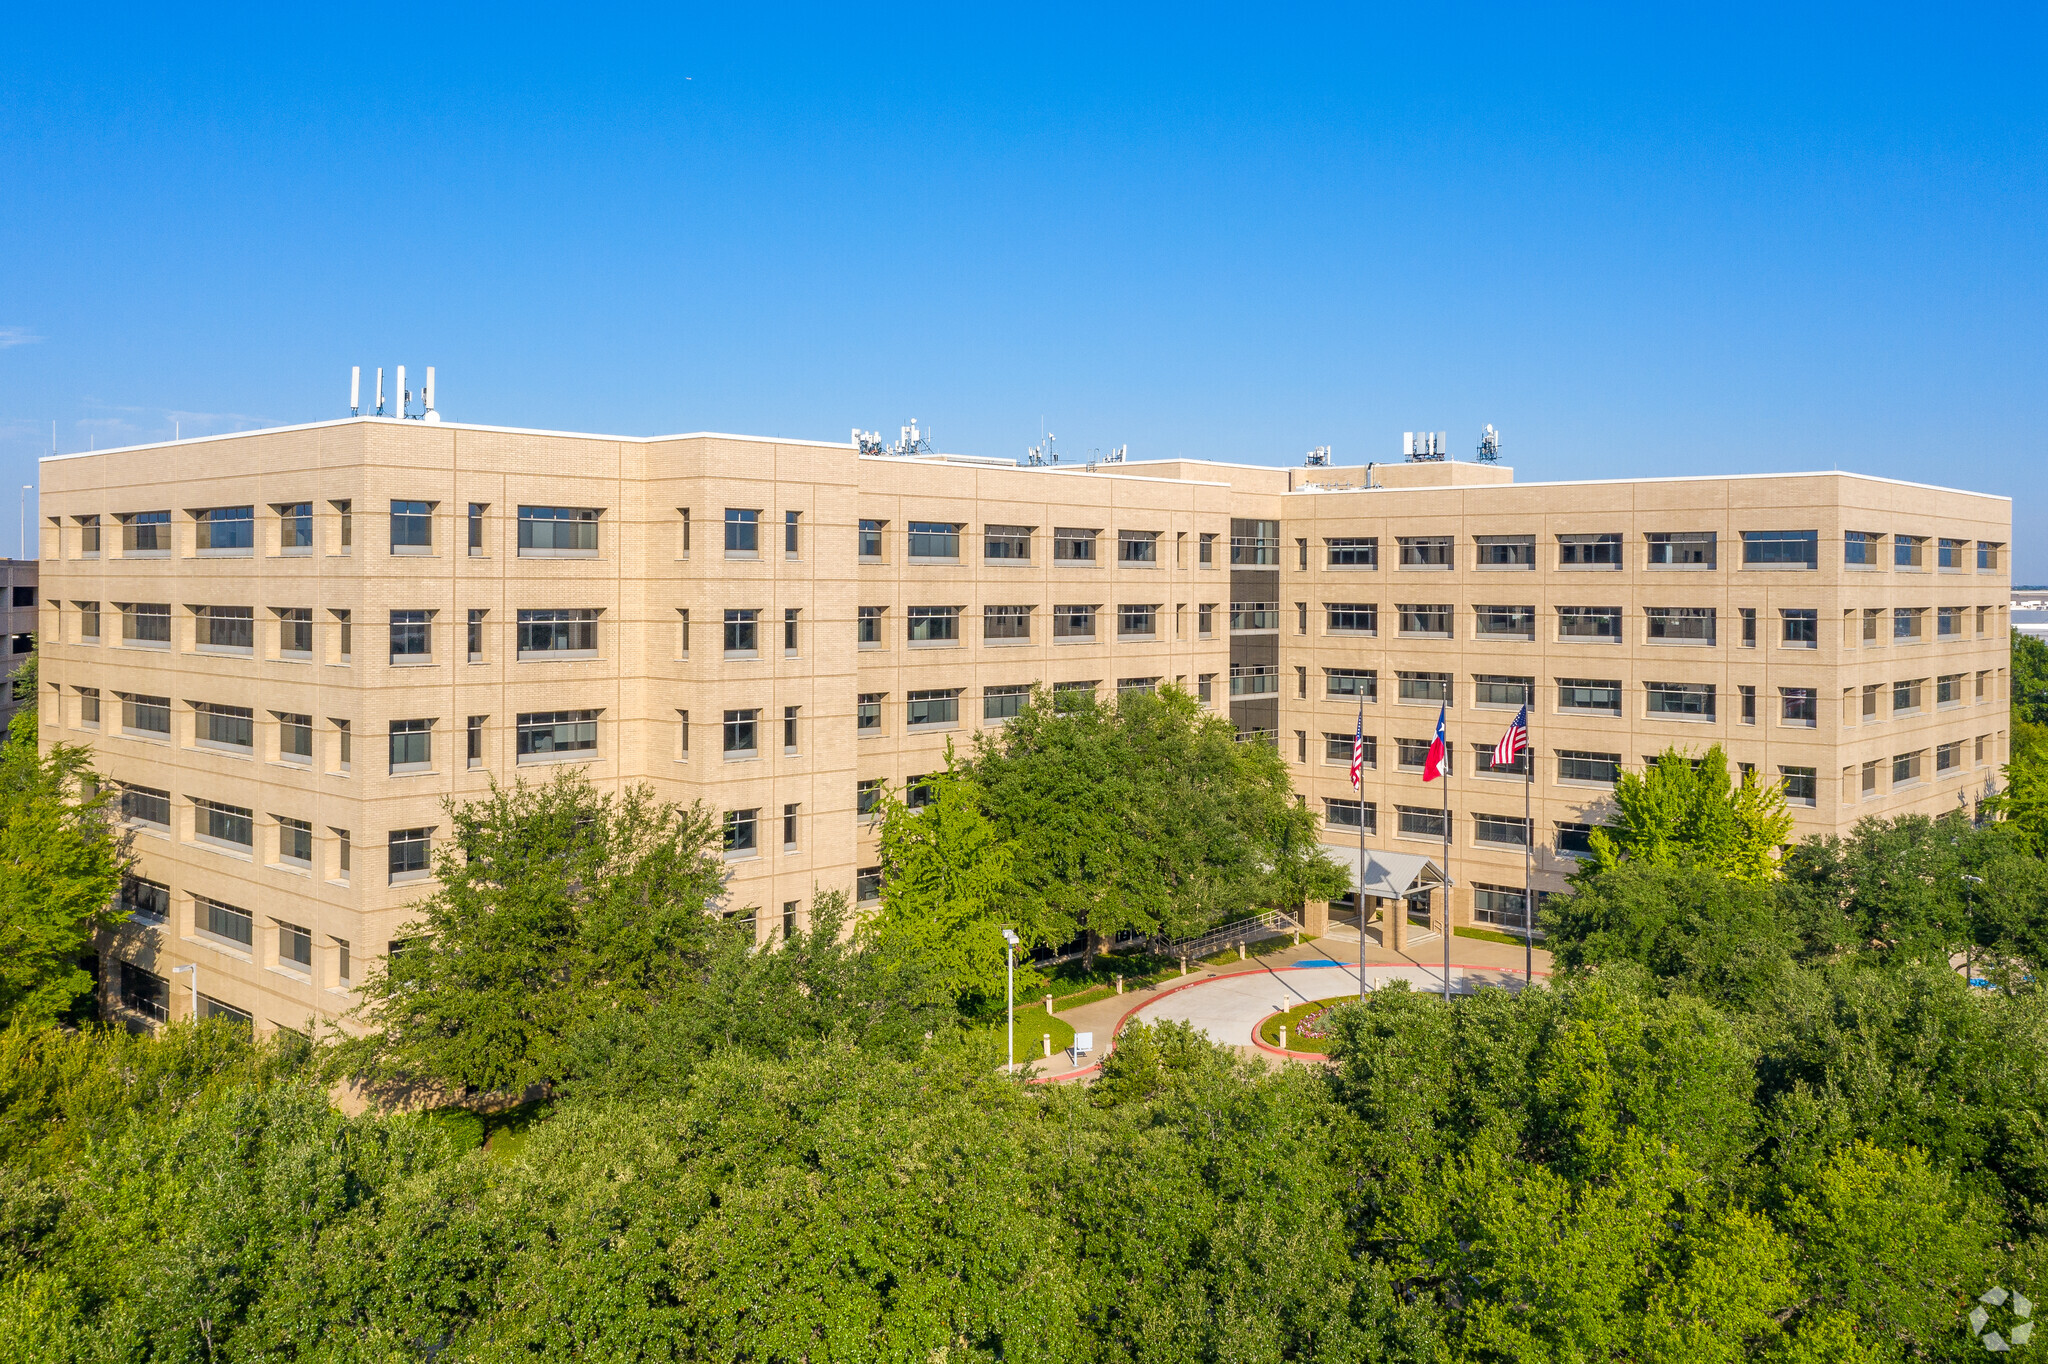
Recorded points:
(1229,1008)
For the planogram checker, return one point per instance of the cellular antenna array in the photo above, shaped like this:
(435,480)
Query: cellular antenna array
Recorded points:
(1489,445)
(1426,447)
(403,397)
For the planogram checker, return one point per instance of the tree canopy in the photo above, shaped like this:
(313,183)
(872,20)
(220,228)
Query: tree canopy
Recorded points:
(1683,811)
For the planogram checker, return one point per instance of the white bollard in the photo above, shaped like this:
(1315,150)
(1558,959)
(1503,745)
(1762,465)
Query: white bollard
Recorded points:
(1283,1037)
(1046,1038)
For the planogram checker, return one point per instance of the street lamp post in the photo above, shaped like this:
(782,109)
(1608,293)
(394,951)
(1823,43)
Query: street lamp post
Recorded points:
(1970,924)
(26,489)
(193,967)
(1010,995)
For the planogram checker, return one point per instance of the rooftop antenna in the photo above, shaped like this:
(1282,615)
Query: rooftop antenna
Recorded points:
(355,391)
(1489,445)
(430,414)
(1318,458)
(1426,447)
(867,442)
(380,390)
(1116,456)
(398,392)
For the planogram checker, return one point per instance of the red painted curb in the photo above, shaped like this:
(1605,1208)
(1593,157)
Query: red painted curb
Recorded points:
(1190,984)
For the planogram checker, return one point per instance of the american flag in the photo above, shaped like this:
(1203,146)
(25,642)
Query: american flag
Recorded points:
(1358,750)
(1513,742)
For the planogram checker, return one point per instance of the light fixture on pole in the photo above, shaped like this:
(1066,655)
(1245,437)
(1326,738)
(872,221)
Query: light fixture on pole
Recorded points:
(1010,994)
(193,967)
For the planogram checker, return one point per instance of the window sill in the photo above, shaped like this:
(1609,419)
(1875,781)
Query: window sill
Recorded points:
(1679,644)
(1683,719)
(553,656)
(408,878)
(529,552)
(742,755)
(302,764)
(920,560)
(1137,639)
(412,662)
(872,560)
(412,770)
(998,563)
(412,551)
(1586,783)
(1503,639)
(159,646)
(1351,568)
(934,643)
(1122,563)
(742,655)
(290,973)
(1798,724)
(1356,634)
(234,850)
(296,552)
(535,759)
(868,734)
(227,947)
(1423,568)
(741,855)
(224,553)
(294,656)
(223,650)
(1801,648)
(291,868)
(232,750)
(1588,639)
(1681,568)
(1781,568)
(932,728)
(1423,634)
(145,554)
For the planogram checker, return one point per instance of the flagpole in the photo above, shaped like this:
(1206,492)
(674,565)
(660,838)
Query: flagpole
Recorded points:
(1358,894)
(1447,854)
(1528,860)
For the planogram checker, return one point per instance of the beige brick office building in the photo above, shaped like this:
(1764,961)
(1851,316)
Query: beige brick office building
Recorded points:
(290,647)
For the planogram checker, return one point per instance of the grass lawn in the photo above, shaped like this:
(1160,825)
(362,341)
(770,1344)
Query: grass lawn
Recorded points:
(1032,1025)
(1269,1029)
(1488,935)
(501,1131)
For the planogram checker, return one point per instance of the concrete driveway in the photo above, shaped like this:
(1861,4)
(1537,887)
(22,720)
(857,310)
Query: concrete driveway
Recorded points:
(1230,1007)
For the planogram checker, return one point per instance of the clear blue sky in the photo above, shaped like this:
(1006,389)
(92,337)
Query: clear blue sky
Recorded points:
(1655,238)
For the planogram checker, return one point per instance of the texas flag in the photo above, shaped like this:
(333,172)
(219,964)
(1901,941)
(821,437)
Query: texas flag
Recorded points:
(1439,752)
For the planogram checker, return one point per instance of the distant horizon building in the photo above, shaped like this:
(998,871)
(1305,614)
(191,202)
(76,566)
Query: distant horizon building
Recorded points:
(289,647)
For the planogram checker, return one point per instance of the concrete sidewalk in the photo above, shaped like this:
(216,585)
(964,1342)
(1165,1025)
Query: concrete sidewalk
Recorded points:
(1472,959)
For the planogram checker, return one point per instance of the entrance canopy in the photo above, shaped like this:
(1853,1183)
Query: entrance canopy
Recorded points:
(1389,875)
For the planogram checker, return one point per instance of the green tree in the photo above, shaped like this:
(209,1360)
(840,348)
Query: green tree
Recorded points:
(1694,929)
(947,884)
(558,905)
(61,861)
(1144,815)
(1687,812)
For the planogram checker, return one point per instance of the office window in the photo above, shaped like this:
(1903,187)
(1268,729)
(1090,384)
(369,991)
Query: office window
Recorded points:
(1337,748)
(1351,814)
(1948,757)
(1253,680)
(739,830)
(1680,549)
(1426,551)
(789,823)
(1137,622)
(1871,617)
(558,634)
(740,733)
(1501,691)
(550,733)
(1254,543)
(1747,696)
(1073,622)
(1860,548)
(1425,619)
(1589,622)
(1484,765)
(294,630)
(88,537)
(294,736)
(1411,754)
(476,527)
(1907,622)
(1420,821)
(411,640)
(1949,554)
(1799,706)
(1989,555)
(1505,622)
(1589,551)
(868,628)
(559,532)
(1205,688)
(227,629)
(1205,552)
(934,540)
(89,620)
(294,945)
(473,750)
(1067,695)
(1246,617)
(1500,830)
(1505,551)
(1499,906)
(1137,546)
(1909,551)
(408,854)
(742,637)
(1906,768)
(145,715)
(1800,628)
(1146,684)
(222,920)
(412,745)
(294,528)
(146,623)
(1786,548)
(742,532)
(1680,624)
(225,530)
(145,899)
(867,885)
(1351,618)
(790,522)
(1948,689)
(934,624)
(89,707)
(1352,683)
(1340,552)
(1601,769)
(1301,618)
(1205,620)
(934,707)
(867,796)
(220,823)
(1432,688)
(868,712)
(1006,622)
(146,533)
(1005,702)
(1574,840)
(412,527)
(1948,622)
(294,841)
(1006,544)
(1586,694)
(871,540)
(790,617)
(789,718)
(146,805)
(223,726)
(1905,697)
(1683,700)
(1073,545)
